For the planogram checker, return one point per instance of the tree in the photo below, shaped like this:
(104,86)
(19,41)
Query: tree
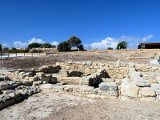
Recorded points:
(74,41)
(80,47)
(64,46)
(34,45)
(0,47)
(122,45)
(5,49)
(47,45)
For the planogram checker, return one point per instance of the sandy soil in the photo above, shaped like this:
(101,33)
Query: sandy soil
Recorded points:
(53,106)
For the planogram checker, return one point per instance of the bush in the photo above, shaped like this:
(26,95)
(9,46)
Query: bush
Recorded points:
(64,46)
(122,45)
(110,48)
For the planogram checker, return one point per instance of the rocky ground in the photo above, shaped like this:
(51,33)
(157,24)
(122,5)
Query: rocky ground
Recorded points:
(48,105)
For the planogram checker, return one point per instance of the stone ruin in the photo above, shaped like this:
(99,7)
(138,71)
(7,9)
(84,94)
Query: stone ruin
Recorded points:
(119,80)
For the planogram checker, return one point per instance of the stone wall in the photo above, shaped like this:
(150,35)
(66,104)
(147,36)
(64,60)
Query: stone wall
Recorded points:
(116,70)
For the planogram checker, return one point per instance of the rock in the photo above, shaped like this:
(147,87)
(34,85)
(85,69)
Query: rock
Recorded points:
(2,77)
(129,90)
(131,64)
(40,74)
(4,85)
(155,61)
(156,88)
(53,80)
(35,78)
(26,82)
(72,73)
(50,69)
(142,83)
(37,83)
(111,89)
(138,79)
(108,80)
(148,92)
(46,86)
(63,73)
(85,80)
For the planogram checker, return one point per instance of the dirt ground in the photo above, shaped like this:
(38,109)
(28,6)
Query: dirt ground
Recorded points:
(138,56)
(48,105)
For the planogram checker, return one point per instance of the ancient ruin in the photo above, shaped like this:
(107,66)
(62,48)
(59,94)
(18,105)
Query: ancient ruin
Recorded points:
(103,80)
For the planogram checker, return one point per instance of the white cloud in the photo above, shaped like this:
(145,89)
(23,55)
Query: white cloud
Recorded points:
(146,38)
(36,40)
(55,43)
(19,44)
(4,44)
(112,42)
(104,44)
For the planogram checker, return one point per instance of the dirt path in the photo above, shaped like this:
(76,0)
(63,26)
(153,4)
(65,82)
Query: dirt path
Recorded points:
(53,106)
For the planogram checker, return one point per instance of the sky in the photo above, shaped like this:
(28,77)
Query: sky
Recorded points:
(98,23)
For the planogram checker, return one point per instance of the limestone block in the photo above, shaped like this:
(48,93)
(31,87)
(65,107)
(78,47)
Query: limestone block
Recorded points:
(156,88)
(129,90)
(87,70)
(110,89)
(63,73)
(148,92)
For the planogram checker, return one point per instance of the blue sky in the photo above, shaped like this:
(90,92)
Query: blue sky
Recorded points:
(99,23)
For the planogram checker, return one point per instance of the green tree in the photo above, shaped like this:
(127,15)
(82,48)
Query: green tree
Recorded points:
(34,45)
(64,46)
(122,45)
(74,41)
(80,47)
(5,49)
(47,45)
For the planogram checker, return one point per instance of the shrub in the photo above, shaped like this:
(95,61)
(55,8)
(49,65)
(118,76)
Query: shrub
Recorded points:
(64,46)
(110,48)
